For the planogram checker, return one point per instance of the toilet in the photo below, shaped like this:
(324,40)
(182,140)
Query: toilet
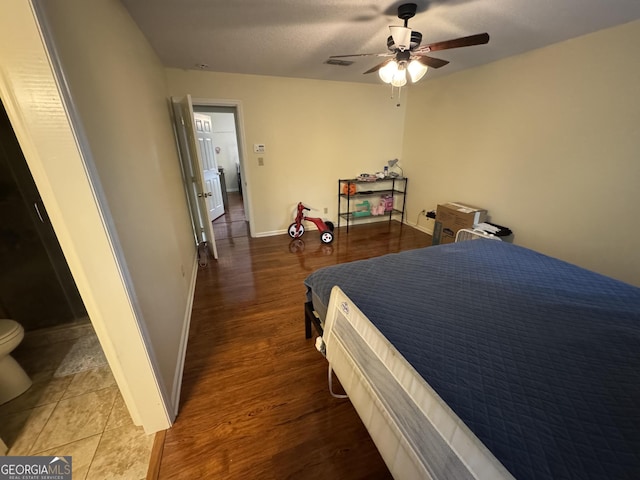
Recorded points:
(13,379)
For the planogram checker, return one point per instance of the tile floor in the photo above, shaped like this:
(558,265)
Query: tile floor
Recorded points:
(82,414)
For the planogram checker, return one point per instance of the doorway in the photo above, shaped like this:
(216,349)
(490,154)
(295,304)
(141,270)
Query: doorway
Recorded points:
(224,120)
(36,285)
(229,146)
(38,291)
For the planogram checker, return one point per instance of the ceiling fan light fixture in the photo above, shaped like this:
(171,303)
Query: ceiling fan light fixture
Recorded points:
(399,77)
(417,70)
(394,73)
(386,72)
(404,46)
(401,37)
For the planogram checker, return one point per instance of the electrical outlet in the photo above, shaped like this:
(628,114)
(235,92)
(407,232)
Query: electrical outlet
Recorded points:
(261,161)
(326,210)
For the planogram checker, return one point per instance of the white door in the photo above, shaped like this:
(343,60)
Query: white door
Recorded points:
(211,176)
(192,168)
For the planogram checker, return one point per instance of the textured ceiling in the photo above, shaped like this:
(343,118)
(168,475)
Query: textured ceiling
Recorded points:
(294,38)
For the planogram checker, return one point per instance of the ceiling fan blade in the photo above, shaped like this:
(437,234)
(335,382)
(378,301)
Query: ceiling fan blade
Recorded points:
(430,61)
(479,39)
(363,55)
(378,67)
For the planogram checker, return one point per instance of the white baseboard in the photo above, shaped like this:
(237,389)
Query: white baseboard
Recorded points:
(271,234)
(184,338)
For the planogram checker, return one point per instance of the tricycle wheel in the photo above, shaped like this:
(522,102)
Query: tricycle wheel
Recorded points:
(326,237)
(296,230)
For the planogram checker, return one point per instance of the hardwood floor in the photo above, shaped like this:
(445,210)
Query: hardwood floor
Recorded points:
(255,402)
(232,223)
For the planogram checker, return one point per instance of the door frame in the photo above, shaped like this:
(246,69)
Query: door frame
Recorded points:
(236,105)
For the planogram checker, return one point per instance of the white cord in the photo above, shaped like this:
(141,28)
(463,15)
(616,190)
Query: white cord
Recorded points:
(335,395)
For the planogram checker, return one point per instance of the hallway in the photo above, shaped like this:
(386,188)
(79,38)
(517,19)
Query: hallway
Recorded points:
(233,223)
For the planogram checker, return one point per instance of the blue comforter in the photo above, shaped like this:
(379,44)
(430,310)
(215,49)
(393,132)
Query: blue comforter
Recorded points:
(539,358)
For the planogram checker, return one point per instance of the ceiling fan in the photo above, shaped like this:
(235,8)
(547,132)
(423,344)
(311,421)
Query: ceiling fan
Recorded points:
(406,54)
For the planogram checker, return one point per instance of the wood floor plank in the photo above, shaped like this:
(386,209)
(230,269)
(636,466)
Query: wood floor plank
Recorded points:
(255,401)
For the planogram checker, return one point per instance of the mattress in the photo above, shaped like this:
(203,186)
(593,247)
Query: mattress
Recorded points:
(540,359)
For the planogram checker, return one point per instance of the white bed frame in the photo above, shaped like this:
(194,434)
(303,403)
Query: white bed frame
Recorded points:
(417,434)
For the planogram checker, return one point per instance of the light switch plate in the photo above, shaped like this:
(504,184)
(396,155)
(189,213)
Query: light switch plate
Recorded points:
(258,148)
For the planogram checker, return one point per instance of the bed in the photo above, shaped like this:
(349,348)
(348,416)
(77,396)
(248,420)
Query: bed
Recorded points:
(485,360)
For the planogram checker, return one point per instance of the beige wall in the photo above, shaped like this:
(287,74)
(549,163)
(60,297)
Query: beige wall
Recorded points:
(314,132)
(547,141)
(118,87)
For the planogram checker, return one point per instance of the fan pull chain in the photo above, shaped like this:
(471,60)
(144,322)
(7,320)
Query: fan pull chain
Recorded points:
(399,93)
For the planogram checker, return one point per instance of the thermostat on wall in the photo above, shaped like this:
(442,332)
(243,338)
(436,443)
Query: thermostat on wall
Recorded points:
(258,148)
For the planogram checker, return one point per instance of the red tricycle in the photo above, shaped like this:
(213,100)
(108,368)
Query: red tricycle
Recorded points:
(296,229)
